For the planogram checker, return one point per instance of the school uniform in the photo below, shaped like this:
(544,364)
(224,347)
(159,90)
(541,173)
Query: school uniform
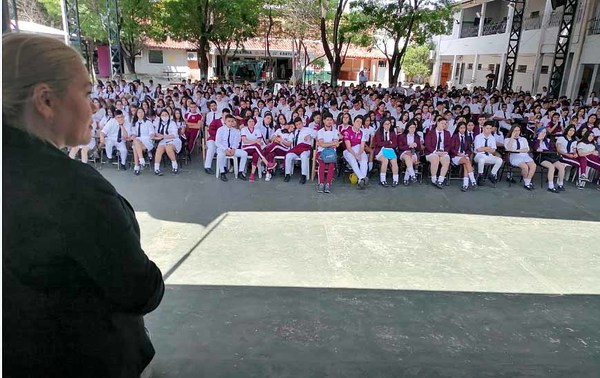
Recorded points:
(483,158)
(191,133)
(267,131)
(460,144)
(546,149)
(226,138)
(589,160)
(360,167)
(115,138)
(143,130)
(300,150)
(563,145)
(274,149)
(384,139)
(503,114)
(516,158)
(557,131)
(211,116)
(169,128)
(211,147)
(405,140)
(255,151)
(327,137)
(437,141)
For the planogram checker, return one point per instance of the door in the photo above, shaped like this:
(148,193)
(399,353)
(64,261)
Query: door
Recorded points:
(445,73)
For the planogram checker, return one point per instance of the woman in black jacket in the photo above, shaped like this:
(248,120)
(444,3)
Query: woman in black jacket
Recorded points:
(76,282)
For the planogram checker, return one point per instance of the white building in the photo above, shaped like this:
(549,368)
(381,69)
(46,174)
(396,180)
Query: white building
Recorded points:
(479,41)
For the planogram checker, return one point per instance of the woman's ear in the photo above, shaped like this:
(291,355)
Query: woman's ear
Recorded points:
(44,101)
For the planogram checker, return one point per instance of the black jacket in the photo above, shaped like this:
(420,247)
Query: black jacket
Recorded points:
(76,282)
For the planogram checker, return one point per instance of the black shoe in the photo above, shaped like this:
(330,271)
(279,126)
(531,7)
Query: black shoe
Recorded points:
(464,188)
(209,171)
(384,184)
(223,177)
(242,176)
(553,190)
(528,187)
(136,172)
(493,179)
(361,184)
(439,185)
(123,167)
(480,181)
(394,184)
(175,171)
(560,188)
(158,172)
(287,178)
(406,183)
(303,180)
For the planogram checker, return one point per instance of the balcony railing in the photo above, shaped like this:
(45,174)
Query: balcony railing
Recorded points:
(532,23)
(595,25)
(494,28)
(468,31)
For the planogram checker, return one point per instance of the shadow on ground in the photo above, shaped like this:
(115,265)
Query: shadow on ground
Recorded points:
(228,331)
(195,197)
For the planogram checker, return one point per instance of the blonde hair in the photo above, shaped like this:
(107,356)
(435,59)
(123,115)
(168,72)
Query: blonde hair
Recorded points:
(29,60)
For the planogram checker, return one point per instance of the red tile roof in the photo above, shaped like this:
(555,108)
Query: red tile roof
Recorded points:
(314,47)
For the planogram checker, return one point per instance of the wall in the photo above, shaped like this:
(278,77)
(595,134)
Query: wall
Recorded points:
(173,60)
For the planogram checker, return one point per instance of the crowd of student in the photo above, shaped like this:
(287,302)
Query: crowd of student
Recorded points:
(357,128)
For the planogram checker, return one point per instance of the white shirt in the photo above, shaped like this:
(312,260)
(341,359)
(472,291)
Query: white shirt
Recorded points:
(228,137)
(111,129)
(327,136)
(211,116)
(503,114)
(562,143)
(252,135)
(353,112)
(144,128)
(480,141)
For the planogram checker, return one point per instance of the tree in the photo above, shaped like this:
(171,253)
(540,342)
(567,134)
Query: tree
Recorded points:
(416,61)
(401,22)
(338,30)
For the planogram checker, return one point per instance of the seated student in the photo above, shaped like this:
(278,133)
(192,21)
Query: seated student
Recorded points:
(114,134)
(566,146)
(167,135)
(327,137)
(193,120)
(228,140)
(368,135)
(141,135)
(281,142)
(211,148)
(498,136)
(485,147)
(85,149)
(301,147)
(460,152)
(554,127)
(267,127)
(354,152)
(409,147)
(588,154)
(252,143)
(437,148)
(549,158)
(518,149)
(385,144)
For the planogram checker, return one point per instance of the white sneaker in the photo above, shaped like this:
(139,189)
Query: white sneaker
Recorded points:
(268,177)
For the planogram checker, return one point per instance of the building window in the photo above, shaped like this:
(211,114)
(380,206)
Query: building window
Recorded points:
(192,55)
(155,56)
(479,67)
(521,68)
(381,63)
(545,69)
(535,14)
(470,66)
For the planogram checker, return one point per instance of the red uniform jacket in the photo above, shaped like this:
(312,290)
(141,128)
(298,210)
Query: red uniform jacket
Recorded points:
(455,145)
(431,141)
(379,142)
(403,143)
(213,127)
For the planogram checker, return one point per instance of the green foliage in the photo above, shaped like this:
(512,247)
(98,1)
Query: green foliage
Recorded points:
(416,61)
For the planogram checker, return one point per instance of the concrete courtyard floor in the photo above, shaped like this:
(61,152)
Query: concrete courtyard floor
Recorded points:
(272,279)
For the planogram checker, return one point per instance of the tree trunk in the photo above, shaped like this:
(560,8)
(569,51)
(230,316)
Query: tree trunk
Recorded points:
(336,67)
(203,57)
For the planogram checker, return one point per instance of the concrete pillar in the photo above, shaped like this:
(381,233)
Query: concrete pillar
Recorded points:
(501,71)
(576,68)
(509,19)
(475,64)
(453,75)
(539,61)
(437,66)
(482,19)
